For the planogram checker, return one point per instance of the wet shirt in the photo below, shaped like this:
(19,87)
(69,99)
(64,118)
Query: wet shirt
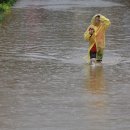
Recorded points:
(93,49)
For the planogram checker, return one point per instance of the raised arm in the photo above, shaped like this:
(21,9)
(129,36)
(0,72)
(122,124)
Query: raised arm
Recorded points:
(105,20)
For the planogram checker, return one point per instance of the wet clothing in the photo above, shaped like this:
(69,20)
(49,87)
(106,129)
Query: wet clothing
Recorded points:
(93,49)
(98,36)
(99,55)
(92,54)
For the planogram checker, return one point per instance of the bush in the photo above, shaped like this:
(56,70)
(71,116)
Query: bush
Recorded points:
(5,8)
(6,1)
(5,5)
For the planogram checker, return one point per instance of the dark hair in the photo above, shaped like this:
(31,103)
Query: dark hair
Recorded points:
(91,28)
(97,16)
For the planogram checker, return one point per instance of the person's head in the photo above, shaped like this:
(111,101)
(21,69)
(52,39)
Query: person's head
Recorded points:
(97,19)
(91,30)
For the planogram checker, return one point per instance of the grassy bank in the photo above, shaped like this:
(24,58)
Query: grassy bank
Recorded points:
(5,7)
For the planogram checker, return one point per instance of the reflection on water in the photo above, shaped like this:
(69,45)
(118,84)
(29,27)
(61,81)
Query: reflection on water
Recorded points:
(5,20)
(95,82)
(96,90)
(95,85)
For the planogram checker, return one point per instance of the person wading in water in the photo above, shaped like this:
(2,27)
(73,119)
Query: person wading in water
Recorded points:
(95,34)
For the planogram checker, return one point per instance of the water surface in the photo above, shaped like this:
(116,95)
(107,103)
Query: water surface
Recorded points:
(45,84)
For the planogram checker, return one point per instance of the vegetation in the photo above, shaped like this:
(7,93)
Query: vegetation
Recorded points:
(5,8)
(5,5)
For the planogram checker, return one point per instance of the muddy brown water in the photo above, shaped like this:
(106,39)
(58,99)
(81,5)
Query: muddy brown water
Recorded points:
(45,84)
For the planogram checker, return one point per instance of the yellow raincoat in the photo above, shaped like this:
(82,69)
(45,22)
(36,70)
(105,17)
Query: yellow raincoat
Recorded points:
(98,37)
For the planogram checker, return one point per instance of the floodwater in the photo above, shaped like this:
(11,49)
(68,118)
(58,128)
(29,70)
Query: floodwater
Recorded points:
(45,84)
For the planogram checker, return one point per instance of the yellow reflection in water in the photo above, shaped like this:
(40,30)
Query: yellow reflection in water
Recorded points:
(95,85)
(96,101)
(95,79)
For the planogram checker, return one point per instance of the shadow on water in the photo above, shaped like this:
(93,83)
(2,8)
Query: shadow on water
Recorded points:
(5,19)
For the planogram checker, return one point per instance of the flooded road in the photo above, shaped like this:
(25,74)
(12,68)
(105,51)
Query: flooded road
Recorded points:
(45,84)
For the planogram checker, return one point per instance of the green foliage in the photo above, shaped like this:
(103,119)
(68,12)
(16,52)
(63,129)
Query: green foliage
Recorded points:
(5,7)
(6,4)
(11,2)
